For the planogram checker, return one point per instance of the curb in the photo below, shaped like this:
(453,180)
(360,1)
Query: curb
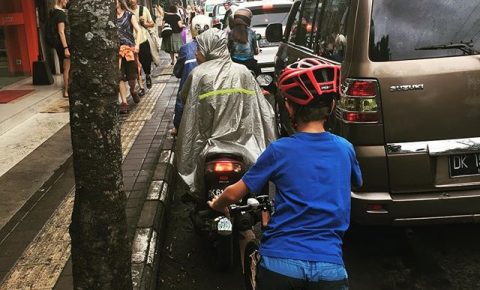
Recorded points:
(149,233)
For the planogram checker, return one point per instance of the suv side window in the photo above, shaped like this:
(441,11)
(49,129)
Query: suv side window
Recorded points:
(316,25)
(332,39)
(294,29)
(400,31)
(302,32)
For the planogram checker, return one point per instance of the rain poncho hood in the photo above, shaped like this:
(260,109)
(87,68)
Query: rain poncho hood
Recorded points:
(225,112)
(213,44)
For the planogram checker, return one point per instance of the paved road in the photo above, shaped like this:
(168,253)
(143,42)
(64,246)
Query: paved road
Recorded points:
(188,261)
(433,257)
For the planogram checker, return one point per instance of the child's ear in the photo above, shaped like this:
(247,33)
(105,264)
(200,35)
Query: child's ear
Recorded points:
(290,109)
(334,103)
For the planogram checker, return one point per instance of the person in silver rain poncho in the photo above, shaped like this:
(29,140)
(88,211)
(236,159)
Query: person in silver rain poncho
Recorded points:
(225,111)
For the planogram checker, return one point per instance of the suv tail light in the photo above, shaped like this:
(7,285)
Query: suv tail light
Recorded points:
(358,102)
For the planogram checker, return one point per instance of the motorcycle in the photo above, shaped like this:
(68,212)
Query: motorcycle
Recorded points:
(220,171)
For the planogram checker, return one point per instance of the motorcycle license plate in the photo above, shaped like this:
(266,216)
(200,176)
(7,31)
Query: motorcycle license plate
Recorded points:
(464,165)
(214,192)
(224,226)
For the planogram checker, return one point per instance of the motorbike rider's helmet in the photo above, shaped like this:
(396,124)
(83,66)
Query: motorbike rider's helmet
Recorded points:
(308,79)
(200,23)
(242,16)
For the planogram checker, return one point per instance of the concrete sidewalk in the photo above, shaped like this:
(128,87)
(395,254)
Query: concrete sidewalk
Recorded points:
(34,240)
(35,122)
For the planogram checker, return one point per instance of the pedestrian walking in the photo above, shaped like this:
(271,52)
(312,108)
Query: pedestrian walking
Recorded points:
(60,18)
(147,48)
(183,15)
(228,14)
(198,10)
(159,14)
(181,12)
(129,45)
(171,44)
(189,12)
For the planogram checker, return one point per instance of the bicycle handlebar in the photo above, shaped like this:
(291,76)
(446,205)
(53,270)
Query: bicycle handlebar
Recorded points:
(261,201)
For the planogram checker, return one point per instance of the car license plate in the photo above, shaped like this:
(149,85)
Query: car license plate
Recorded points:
(464,165)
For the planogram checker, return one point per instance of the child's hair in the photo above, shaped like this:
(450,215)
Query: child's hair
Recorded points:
(319,109)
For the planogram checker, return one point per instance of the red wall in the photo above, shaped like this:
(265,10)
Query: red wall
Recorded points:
(18,19)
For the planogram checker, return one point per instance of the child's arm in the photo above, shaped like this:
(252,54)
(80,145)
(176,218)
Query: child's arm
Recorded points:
(357,180)
(232,194)
(256,178)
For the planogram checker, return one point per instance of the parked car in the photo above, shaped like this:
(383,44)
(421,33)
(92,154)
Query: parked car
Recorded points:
(218,13)
(410,101)
(209,5)
(265,12)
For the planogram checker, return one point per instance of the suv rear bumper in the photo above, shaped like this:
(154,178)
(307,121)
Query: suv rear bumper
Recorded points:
(416,209)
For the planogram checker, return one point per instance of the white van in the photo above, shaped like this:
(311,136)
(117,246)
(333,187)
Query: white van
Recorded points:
(209,5)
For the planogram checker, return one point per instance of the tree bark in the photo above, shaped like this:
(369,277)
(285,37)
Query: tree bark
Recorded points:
(101,250)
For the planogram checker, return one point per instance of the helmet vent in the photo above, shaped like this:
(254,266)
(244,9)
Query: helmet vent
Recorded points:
(323,75)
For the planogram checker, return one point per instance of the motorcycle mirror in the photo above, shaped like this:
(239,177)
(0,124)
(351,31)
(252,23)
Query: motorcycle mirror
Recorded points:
(252,202)
(264,80)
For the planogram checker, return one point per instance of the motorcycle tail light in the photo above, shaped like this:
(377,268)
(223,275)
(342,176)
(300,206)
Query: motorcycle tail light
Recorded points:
(224,166)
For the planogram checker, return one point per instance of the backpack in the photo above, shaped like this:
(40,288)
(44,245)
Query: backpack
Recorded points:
(51,33)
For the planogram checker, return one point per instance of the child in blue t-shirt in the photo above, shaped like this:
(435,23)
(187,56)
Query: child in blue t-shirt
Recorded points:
(313,171)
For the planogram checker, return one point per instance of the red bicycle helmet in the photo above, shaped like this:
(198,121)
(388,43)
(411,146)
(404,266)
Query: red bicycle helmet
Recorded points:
(306,79)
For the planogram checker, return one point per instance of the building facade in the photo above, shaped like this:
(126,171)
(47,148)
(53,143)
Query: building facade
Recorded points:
(20,44)
(18,38)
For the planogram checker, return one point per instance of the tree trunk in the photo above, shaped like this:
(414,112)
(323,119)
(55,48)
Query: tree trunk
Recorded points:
(101,250)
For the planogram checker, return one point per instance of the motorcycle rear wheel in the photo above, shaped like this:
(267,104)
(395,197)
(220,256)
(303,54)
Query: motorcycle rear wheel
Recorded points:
(251,247)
